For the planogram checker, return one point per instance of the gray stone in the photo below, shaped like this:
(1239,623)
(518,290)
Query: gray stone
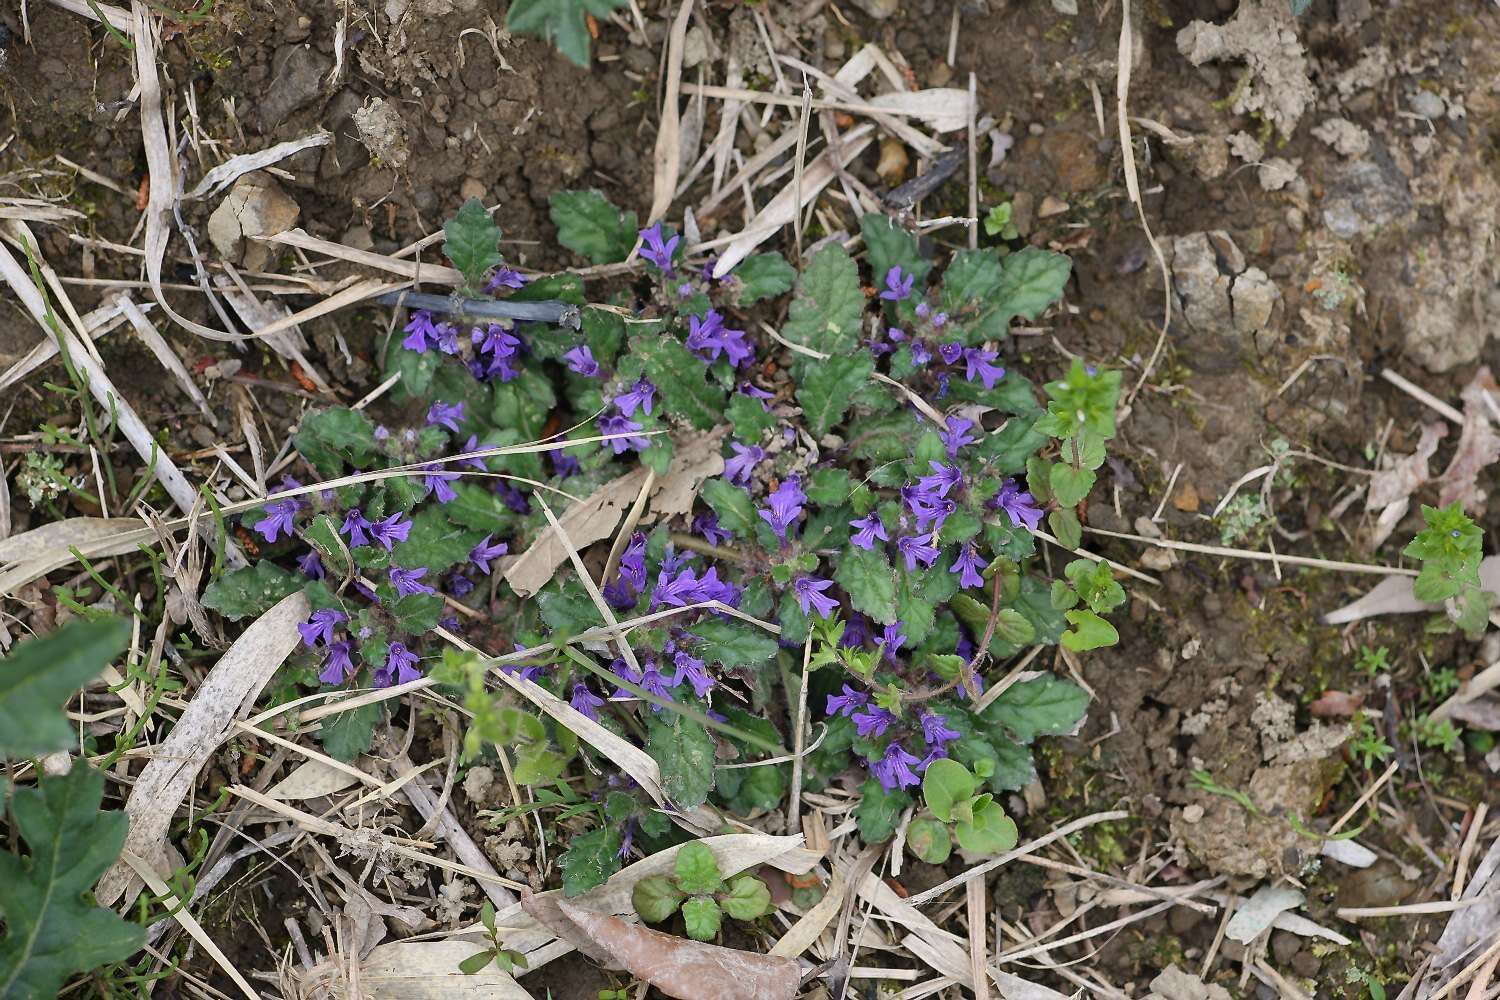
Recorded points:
(295,83)
(1364,196)
(255,206)
(1428,105)
(1253,298)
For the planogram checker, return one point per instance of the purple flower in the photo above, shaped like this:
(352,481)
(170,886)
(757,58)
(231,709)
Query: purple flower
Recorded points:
(446,338)
(935,729)
(968,564)
(923,309)
(872,721)
(498,342)
(707,525)
(581,360)
(619,595)
(750,389)
(460,585)
(869,529)
(400,667)
(938,320)
(894,770)
(809,591)
(920,354)
(936,753)
(505,277)
(319,627)
(926,505)
(473,445)
(692,670)
(513,497)
(279,519)
(585,701)
(957,435)
(856,631)
(685,290)
(951,353)
(312,566)
(1019,505)
(356,527)
(420,332)
(390,530)
(445,415)
(943,479)
(641,394)
(435,480)
(657,251)
(339,665)
(680,587)
(978,366)
(653,681)
(892,638)
(917,551)
(786,506)
(482,554)
(621,433)
(897,287)
(708,338)
(409,581)
(847,703)
(633,562)
(565,465)
(738,468)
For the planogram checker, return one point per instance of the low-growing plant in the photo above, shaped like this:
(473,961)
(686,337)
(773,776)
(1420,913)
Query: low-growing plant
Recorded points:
(885,481)
(698,888)
(1450,548)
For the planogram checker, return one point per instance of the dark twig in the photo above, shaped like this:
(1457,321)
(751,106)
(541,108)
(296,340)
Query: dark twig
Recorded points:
(551,311)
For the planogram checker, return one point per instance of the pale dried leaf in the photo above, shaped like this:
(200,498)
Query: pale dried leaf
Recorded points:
(1394,596)
(1258,912)
(310,781)
(1472,927)
(1349,852)
(227,693)
(1481,713)
(1016,988)
(668,154)
(1478,447)
(35,553)
(1174,984)
(418,970)
(693,461)
(943,109)
(225,173)
(1407,473)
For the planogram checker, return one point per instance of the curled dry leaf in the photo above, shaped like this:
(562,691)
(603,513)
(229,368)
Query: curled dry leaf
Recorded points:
(1478,446)
(311,780)
(688,970)
(1481,713)
(1336,705)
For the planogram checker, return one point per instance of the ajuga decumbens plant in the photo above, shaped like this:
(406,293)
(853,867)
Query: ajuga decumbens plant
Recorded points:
(885,473)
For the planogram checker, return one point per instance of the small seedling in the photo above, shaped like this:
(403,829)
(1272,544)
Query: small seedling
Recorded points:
(955,804)
(998,222)
(1450,548)
(1367,746)
(698,888)
(505,960)
(1373,661)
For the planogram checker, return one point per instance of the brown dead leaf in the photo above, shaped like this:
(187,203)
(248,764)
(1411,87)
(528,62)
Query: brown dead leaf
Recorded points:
(687,970)
(1336,704)
(1481,713)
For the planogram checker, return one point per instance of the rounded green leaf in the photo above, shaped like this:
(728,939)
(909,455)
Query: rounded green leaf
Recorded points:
(748,898)
(697,871)
(928,839)
(992,832)
(655,898)
(945,783)
(700,915)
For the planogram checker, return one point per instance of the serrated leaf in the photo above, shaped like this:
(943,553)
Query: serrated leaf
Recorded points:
(750,418)
(700,918)
(826,313)
(416,369)
(732,643)
(680,377)
(684,751)
(748,898)
(879,811)
(39,676)
(250,590)
(590,225)
(870,580)
(655,898)
(695,869)
(330,438)
(828,387)
(51,933)
(828,487)
(560,22)
(1070,485)
(733,505)
(945,784)
(348,734)
(763,276)
(471,241)
(1042,706)
(888,245)
(1031,280)
(1089,631)
(480,509)
(928,839)
(434,542)
(590,860)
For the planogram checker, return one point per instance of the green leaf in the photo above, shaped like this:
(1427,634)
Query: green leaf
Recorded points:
(991,832)
(590,860)
(684,751)
(434,542)
(826,313)
(696,869)
(348,734)
(945,783)
(828,487)
(1095,583)
(928,839)
(748,898)
(589,225)
(700,918)
(417,614)
(1070,485)
(322,533)
(537,765)
(680,378)
(476,962)
(655,898)
(39,676)
(416,369)
(828,388)
(733,505)
(487,916)
(1031,280)
(1089,631)
(330,438)
(879,811)
(250,590)
(1450,548)
(888,245)
(870,580)
(1014,627)
(733,643)
(478,508)
(1065,526)
(1042,706)
(567,608)
(750,418)
(51,932)
(560,22)
(471,241)
(763,276)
